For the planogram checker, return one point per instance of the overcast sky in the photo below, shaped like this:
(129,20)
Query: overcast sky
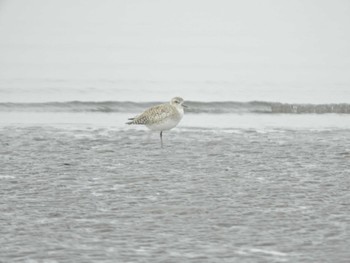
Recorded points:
(217,40)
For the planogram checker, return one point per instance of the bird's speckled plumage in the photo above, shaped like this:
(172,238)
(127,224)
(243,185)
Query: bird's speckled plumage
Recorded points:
(157,115)
(161,117)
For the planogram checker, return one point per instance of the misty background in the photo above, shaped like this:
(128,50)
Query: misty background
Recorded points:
(286,51)
(257,170)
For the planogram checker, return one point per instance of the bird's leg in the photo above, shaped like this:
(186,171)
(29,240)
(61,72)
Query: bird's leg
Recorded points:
(161,139)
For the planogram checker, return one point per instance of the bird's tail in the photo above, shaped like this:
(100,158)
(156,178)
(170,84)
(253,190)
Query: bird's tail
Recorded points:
(131,121)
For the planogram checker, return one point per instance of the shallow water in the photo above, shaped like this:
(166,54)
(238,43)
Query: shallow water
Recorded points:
(237,181)
(87,194)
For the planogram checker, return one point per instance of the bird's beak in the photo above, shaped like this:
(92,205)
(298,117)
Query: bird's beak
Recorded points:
(185,106)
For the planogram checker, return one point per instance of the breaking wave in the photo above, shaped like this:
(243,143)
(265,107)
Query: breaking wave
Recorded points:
(194,107)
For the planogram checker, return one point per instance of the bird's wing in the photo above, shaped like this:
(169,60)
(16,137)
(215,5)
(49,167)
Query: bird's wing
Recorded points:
(154,114)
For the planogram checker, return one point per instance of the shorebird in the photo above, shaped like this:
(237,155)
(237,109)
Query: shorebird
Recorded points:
(162,117)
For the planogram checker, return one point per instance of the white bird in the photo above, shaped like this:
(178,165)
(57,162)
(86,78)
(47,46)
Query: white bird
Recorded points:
(162,117)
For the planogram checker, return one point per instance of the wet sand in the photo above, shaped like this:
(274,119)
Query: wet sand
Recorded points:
(105,195)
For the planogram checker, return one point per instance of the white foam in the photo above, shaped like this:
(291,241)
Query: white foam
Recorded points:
(269,252)
(7,177)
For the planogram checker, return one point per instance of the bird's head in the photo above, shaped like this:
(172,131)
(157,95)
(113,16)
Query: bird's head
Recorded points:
(178,102)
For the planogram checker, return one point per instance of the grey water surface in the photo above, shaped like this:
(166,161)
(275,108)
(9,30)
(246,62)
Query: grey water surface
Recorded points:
(257,170)
(102,195)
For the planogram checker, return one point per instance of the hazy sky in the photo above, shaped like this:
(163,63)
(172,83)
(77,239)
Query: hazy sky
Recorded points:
(306,42)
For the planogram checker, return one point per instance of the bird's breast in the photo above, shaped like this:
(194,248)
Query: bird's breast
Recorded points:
(164,125)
